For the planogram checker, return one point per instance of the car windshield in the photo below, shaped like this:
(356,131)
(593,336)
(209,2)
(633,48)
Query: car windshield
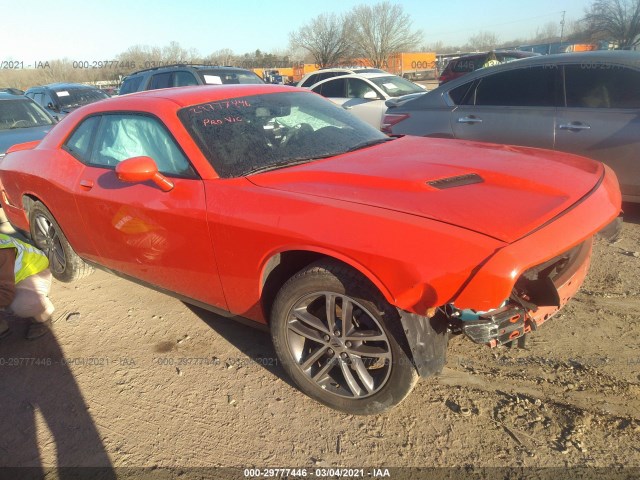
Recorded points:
(244,135)
(224,77)
(396,86)
(77,97)
(22,113)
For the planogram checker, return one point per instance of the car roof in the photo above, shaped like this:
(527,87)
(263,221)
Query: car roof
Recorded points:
(11,91)
(523,53)
(367,75)
(185,65)
(63,86)
(194,95)
(12,96)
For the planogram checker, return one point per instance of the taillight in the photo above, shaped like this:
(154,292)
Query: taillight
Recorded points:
(390,119)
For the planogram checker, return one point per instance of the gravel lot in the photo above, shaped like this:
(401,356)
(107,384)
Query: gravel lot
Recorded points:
(132,377)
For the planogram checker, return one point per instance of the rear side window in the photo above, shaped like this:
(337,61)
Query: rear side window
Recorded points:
(130,85)
(600,85)
(79,143)
(465,65)
(310,81)
(524,87)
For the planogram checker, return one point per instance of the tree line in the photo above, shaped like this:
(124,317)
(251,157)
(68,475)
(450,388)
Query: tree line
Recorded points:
(371,32)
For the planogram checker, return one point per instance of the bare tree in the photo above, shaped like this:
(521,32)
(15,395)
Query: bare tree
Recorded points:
(381,30)
(549,32)
(224,56)
(617,20)
(325,38)
(483,41)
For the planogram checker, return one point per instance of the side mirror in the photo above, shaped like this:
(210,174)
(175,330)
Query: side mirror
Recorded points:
(141,169)
(370,95)
(51,106)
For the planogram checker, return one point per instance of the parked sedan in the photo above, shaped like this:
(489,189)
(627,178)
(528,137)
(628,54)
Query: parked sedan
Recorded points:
(585,103)
(21,120)
(364,94)
(361,253)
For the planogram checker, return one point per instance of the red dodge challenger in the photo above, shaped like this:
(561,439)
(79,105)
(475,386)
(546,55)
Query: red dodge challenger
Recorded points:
(360,252)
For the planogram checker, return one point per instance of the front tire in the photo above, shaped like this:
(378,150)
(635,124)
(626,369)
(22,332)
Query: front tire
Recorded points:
(46,234)
(340,341)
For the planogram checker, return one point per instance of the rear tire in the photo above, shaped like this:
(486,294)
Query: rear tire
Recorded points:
(341,341)
(46,234)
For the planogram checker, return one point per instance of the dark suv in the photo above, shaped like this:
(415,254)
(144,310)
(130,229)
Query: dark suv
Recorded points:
(460,66)
(185,75)
(61,98)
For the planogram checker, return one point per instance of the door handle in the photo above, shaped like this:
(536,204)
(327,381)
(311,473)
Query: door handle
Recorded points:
(469,120)
(86,184)
(574,126)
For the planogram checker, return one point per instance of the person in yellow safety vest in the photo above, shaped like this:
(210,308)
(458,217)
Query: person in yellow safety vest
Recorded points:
(25,281)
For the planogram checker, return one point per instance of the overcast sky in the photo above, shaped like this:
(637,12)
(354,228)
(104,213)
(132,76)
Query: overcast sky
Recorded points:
(39,30)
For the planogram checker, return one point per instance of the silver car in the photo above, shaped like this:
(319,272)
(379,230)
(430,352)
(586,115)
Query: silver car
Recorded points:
(585,103)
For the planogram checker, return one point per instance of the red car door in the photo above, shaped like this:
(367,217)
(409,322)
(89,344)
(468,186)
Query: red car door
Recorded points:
(159,237)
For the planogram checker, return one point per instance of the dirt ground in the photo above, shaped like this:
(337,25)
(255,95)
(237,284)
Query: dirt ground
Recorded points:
(132,377)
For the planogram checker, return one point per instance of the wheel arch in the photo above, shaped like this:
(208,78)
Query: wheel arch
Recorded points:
(280,266)
(28,199)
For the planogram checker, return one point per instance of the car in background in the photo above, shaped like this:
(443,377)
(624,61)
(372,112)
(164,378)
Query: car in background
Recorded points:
(59,99)
(364,94)
(586,103)
(360,252)
(21,120)
(182,75)
(457,67)
(312,78)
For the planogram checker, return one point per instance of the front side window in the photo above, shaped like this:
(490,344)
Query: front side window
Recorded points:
(241,136)
(522,87)
(358,88)
(333,88)
(459,94)
(120,137)
(160,80)
(22,113)
(600,85)
(184,79)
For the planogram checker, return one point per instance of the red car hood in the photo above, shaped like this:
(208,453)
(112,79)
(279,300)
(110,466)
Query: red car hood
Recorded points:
(518,189)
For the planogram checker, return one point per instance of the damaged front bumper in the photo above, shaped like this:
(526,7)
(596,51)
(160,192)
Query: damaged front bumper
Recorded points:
(539,293)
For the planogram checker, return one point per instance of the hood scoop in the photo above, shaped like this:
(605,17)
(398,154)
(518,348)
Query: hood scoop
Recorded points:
(457,181)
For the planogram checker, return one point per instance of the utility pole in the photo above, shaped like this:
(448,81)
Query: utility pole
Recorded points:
(562,26)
